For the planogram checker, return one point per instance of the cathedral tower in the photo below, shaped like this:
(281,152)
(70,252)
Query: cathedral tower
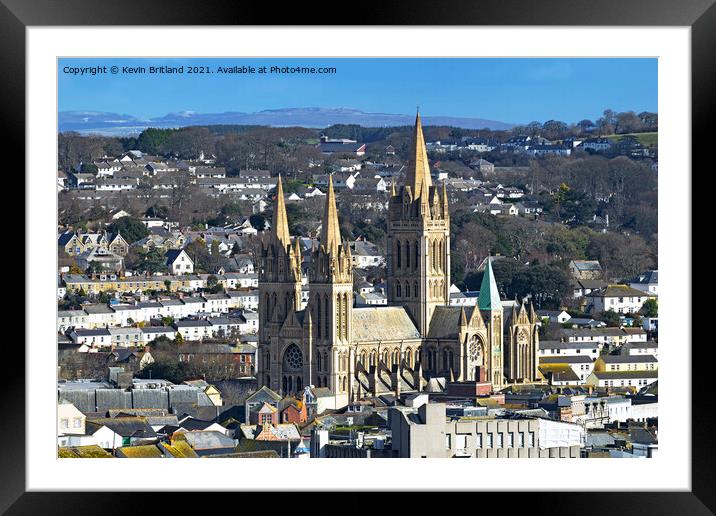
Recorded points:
(279,285)
(418,242)
(490,305)
(331,303)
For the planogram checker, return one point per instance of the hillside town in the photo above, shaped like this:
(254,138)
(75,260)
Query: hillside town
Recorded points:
(430,292)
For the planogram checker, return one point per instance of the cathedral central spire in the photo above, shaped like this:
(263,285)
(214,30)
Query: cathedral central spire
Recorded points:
(418,172)
(279,225)
(330,231)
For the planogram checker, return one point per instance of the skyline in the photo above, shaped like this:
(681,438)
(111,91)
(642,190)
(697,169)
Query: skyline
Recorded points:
(511,90)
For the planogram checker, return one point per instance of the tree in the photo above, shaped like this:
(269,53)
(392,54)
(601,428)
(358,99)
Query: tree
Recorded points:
(151,262)
(628,122)
(650,308)
(611,318)
(131,228)
(257,221)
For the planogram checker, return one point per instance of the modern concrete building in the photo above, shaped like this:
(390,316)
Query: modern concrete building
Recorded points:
(426,432)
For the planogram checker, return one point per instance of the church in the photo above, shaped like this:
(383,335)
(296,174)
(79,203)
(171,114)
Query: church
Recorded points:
(363,352)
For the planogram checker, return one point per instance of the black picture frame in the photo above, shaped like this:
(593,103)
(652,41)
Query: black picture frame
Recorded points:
(700,15)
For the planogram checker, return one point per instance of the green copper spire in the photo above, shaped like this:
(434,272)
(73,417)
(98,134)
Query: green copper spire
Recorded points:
(489,295)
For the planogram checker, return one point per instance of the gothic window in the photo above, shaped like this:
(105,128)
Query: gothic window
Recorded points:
(409,357)
(397,290)
(326,363)
(384,356)
(435,255)
(396,356)
(398,251)
(327,316)
(446,366)
(267,310)
(407,254)
(440,256)
(373,356)
(416,290)
(407,289)
(363,357)
(318,317)
(299,383)
(417,254)
(292,358)
(345,316)
(476,350)
(318,362)
(285,384)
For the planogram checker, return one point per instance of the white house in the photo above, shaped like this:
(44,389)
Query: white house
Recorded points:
(98,338)
(622,299)
(179,262)
(647,282)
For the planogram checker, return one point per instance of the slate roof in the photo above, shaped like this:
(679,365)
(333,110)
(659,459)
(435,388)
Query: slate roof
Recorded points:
(619,291)
(127,426)
(582,359)
(646,278)
(608,375)
(383,323)
(445,321)
(201,440)
(587,265)
(556,344)
(628,359)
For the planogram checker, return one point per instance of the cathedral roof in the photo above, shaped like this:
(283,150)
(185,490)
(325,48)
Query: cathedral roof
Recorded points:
(418,172)
(489,295)
(279,225)
(382,323)
(445,322)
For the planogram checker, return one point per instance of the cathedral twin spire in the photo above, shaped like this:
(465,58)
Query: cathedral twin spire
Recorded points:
(279,224)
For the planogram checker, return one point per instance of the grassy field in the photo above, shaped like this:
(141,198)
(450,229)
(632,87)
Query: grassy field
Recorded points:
(645,139)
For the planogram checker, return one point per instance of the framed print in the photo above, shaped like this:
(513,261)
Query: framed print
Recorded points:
(432,236)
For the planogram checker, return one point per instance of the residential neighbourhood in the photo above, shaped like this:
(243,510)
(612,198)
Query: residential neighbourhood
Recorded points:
(423,292)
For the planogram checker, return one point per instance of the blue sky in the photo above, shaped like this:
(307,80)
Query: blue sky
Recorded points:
(508,90)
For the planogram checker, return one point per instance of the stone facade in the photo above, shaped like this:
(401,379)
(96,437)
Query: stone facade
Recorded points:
(358,352)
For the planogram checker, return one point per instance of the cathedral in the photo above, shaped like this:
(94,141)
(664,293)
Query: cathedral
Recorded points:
(360,352)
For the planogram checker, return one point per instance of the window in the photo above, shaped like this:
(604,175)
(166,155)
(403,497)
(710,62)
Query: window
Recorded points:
(489,440)
(64,423)
(478,441)
(500,442)
(447,441)
(461,442)
(510,440)
(532,440)
(522,439)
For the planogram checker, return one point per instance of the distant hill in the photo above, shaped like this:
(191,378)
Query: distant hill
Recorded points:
(118,125)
